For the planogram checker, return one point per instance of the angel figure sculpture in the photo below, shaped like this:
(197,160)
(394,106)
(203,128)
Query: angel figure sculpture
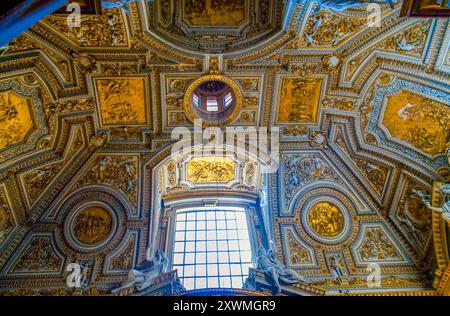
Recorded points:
(146,276)
(274,269)
(341,5)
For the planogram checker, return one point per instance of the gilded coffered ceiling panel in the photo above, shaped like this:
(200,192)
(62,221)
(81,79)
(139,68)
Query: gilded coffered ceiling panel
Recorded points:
(123,101)
(422,122)
(16,119)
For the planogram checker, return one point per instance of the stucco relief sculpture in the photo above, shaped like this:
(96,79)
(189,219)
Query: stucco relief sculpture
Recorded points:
(15,119)
(210,169)
(274,269)
(140,279)
(326,219)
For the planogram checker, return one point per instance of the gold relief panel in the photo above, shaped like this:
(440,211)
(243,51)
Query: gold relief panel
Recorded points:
(92,225)
(326,219)
(210,169)
(123,101)
(299,100)
(422,122)
(16,119)
(376,246)
(214,13)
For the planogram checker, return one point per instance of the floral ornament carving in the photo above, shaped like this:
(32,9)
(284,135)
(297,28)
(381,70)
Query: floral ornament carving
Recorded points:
(411,40)
(298,254)
(38,256)
(95,31)
(376,174)
(38,179)
(249,85)
(300,170)
(377,247)
(7,223)
(120,172)
(178,85)
(341,104)
(295,130)
(325,28)
(124,259)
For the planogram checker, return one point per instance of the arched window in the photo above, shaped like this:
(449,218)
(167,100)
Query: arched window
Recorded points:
(212,247)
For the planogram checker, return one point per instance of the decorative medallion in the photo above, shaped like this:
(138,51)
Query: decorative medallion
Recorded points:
(210,169)
(199,104)
(299,100)
(92,225)
(326,219)
(122,101)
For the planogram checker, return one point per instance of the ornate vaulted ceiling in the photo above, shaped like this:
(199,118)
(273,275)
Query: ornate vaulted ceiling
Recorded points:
(86,115)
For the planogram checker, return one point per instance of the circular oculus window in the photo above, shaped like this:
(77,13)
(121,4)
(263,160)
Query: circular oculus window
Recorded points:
(214,99)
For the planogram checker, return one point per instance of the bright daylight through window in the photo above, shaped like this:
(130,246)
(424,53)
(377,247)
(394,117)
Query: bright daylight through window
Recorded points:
(212,248)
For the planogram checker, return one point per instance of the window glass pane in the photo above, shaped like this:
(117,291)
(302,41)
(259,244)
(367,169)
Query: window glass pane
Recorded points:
(224,269)
(225,282)
(200,283)
(223,256)
(221,225)
(212,270)
(189,258)
(179,235)
(212,257)
(212,248)
(190,216)
(190,235)
(200,270)
(180,226)
(232,234)
(236,282)
(178,258)
(210,225)
(201,225)
(213,282)
(190,225)
(235,256)
(235,269)
(190,246)
(211,235)
(200,257)
(201,235)
(201,246)
(179,247)
(233,245)
(222,234)
(246,256)
(188,283)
